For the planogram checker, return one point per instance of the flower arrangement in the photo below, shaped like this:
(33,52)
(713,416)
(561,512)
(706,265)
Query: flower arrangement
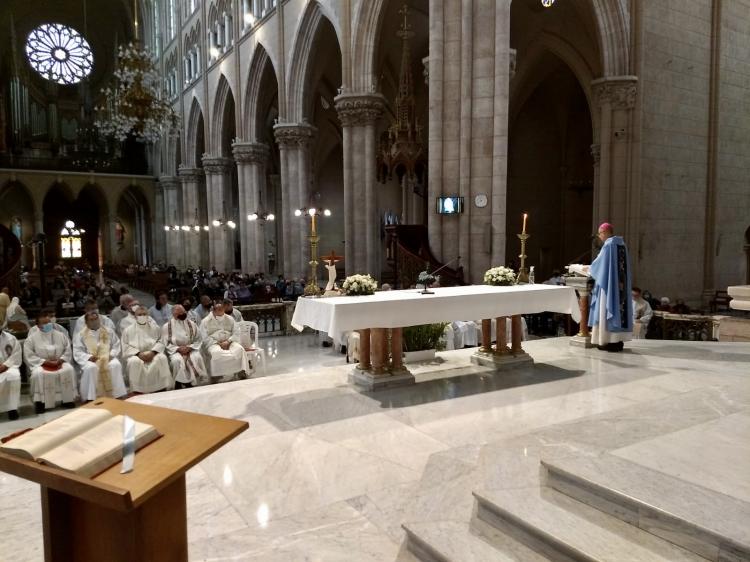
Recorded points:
(355,285)
(426,278)
(498,276)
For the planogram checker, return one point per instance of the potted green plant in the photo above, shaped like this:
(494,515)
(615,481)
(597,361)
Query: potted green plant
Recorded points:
(421,342)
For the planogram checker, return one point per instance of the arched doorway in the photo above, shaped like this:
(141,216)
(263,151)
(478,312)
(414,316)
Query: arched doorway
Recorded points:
(132,228)
(551,131)
(88,212)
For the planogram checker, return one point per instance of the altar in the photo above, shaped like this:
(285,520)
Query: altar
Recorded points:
(380,318)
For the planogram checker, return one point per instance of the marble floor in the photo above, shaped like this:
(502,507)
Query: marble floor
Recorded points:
(327,472)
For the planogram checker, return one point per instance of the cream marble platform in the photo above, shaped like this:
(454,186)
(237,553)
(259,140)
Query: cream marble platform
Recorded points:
(326,472)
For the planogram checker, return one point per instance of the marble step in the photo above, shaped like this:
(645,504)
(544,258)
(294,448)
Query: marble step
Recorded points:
(565,529)
(454,541)
(703,521)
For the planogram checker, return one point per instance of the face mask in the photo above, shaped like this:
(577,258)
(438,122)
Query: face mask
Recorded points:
(142,320)
(182,316)
(47,328)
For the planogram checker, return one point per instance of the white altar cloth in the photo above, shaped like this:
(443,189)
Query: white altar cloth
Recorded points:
(396,309)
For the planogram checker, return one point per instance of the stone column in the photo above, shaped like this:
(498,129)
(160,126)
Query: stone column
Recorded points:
(358,114)
(251,158)
(615,97)
(170,186)
(218,178)
(196,250)
(294,145)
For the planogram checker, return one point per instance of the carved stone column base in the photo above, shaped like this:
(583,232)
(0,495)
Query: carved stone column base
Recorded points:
(581,341)
(368,381)
(502,362)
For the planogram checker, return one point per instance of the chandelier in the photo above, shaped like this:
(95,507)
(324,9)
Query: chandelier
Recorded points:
(135,105)
(401,148)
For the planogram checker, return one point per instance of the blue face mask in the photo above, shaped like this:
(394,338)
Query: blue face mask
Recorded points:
(47,328)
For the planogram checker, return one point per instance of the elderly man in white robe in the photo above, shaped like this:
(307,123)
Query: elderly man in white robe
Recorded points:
(90,306)
(183,342)
(226,355)
(120,312)
(10,375)
(143,351)
(96,349)
(128,320)
(48,355)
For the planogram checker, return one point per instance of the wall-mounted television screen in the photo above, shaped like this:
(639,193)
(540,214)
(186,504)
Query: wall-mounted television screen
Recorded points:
(451,205)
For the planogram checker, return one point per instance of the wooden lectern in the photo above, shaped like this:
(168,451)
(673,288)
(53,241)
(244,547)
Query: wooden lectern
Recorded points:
(140,516)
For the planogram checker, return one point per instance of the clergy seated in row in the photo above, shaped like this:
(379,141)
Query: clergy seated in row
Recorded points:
(229,310)
(161,312)
(90,306)
(120,312)
(142,349)
(10,375)
(129,319)
(227,357)
(96,349)
(202,310)
(183,341)
(642,314)
(48,357)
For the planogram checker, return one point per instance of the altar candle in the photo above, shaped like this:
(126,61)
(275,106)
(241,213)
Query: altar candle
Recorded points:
(525,216)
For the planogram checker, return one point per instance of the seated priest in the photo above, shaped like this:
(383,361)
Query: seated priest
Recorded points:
(129,319)
(10,376)
(48,354)
(90,306)
(642,314)
(96,349)
(161,312)
(232,312)
(226,355)
(183,341)
(202,310)
(143,350)
(611,314)
(120,312)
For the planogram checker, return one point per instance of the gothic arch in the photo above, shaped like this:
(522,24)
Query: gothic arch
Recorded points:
(301,61)
(368,20)
(525,80)
(195,127)
(613,26)
(222,99)
(254,118)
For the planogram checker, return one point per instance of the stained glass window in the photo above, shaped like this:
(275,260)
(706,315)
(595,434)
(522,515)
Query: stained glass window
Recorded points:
(59,53)
(70,241)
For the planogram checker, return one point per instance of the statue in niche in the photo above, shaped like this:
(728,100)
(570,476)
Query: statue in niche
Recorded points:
(16,227)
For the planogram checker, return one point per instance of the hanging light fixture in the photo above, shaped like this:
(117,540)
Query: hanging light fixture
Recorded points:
(259,215)
(135,106)
(223,221)
(547,3)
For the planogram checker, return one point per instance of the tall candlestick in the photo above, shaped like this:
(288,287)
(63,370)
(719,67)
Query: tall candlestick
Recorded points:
(525,216)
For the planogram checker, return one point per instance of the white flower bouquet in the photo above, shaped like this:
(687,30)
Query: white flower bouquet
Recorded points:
(499,276)
(355,285)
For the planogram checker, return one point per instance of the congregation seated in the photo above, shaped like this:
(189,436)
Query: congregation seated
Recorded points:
(48,356)
(143,351)
(67,305)
(96,350)
(10,375)
(226,355)
(182,339)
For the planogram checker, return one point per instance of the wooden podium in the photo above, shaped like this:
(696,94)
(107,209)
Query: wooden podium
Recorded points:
(139,516)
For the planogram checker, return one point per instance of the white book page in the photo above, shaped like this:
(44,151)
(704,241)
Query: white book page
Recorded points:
(52,434)
(97,449)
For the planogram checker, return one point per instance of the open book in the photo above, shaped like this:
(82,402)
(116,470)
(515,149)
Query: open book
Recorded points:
(86,441)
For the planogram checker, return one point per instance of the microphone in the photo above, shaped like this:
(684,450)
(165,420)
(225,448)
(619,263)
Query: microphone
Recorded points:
(446,265)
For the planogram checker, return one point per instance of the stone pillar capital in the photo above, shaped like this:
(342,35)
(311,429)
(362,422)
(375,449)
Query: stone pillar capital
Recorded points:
(294,134)
(596,152)
(190,175)
(359,109)
(617,91)
(216,164)
(168,182)
(250,152)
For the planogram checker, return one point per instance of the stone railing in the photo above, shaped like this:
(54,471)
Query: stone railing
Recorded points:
(684,327)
